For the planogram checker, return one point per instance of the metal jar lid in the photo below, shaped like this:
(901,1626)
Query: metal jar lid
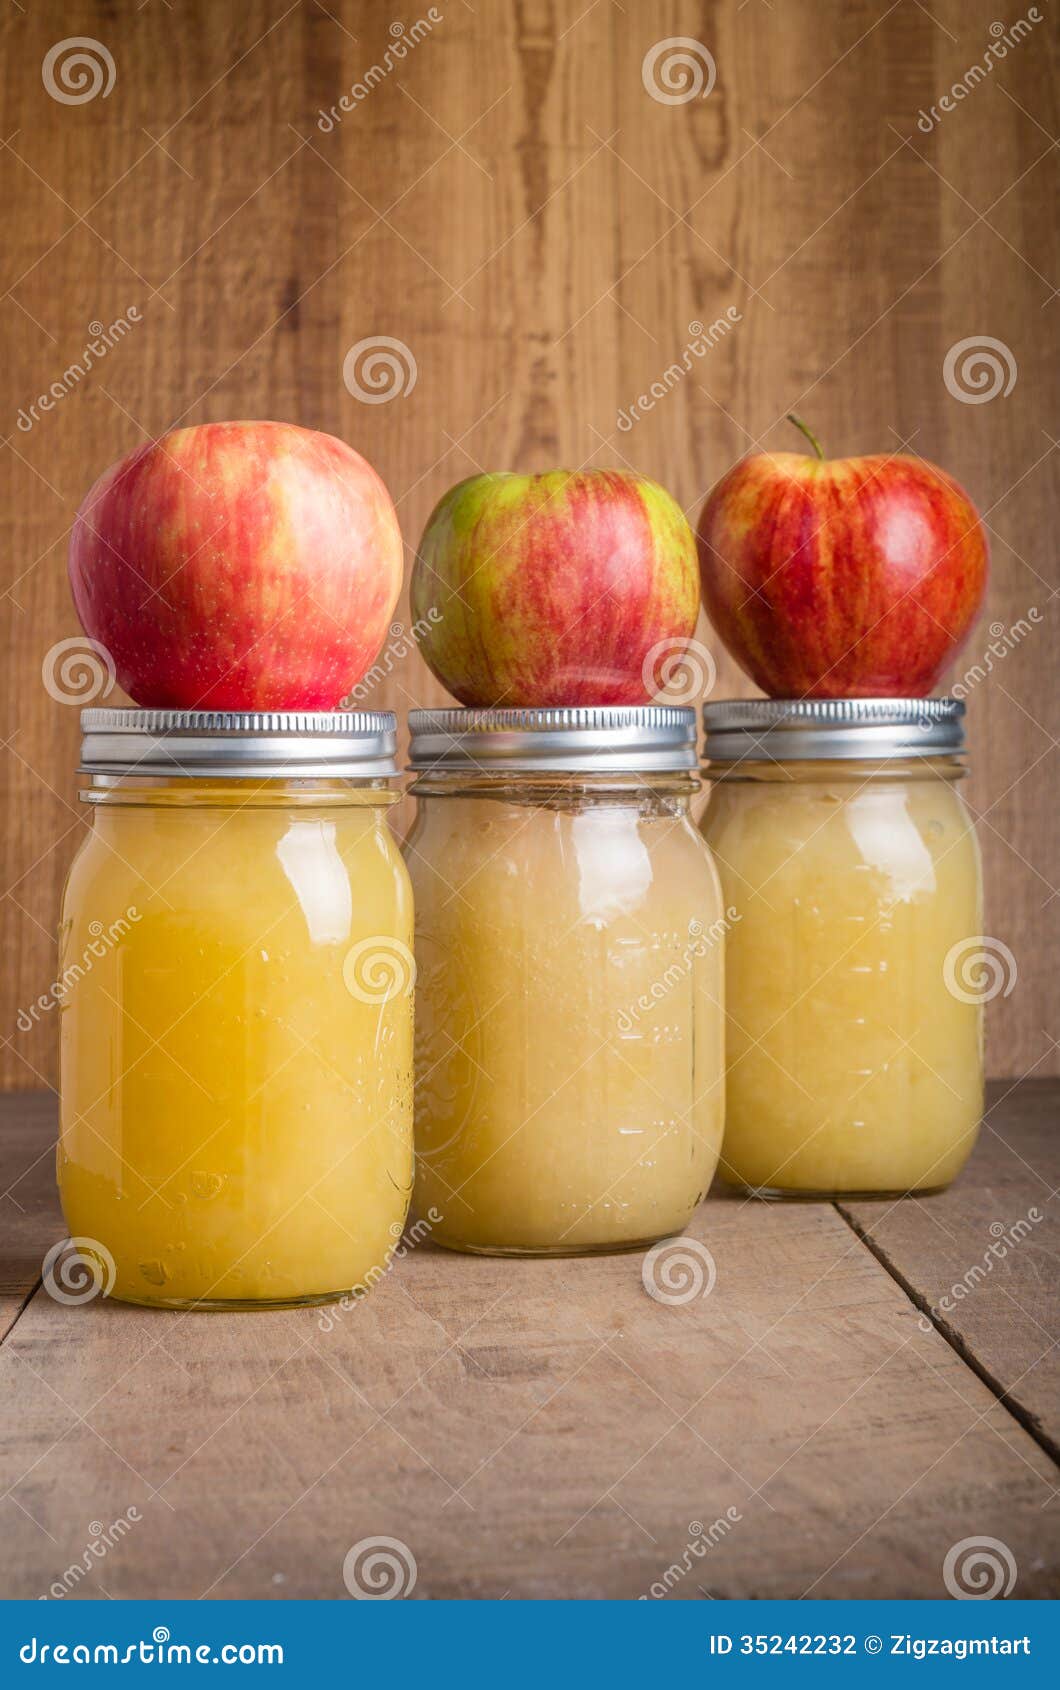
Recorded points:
(217,745)
(787,730)
(597,739)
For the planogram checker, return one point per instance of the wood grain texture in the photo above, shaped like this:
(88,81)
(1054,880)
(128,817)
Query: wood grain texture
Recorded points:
(981,1259)
(540,1428)
(511,203)
(30,1217)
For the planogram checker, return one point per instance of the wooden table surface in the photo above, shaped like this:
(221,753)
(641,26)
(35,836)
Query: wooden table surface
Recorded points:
(547,1428)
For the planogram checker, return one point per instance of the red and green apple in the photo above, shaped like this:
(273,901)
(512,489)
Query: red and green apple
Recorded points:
(567,588)
(843,578)
(238,566)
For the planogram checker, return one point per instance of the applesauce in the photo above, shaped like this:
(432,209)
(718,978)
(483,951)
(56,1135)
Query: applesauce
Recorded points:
(855,1054)
(236,1020)
(569,939)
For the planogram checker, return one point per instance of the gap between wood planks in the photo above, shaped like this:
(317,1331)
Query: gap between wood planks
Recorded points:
(1021,1414)
(7,1325)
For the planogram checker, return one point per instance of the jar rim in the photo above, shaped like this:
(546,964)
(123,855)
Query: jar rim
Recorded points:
(784,730)
(227,745)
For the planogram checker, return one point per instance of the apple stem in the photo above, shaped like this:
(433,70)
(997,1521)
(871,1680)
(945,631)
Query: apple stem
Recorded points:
(808,432)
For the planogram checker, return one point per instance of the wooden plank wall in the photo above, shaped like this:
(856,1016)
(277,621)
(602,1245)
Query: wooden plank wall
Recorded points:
(511,203)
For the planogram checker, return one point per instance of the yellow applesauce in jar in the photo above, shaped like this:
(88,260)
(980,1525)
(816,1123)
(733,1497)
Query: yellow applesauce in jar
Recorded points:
(854,978)
(236,1012)
(569,1016)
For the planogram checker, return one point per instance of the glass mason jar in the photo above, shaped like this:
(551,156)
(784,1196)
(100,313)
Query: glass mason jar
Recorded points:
(236,1027)
(569,1020)
(854,1019)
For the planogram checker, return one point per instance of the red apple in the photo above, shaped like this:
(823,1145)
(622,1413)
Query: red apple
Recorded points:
(567,588)
(847,578)
(238,566)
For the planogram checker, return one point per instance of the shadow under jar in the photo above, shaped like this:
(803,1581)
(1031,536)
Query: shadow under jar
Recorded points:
(236,1034)
(569,1018)
(853,965)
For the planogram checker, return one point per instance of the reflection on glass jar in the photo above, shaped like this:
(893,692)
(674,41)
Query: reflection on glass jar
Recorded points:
(855,1058)
(236,1039)
(569,939)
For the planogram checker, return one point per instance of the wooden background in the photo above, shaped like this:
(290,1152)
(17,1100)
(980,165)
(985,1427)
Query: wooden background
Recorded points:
(513,205)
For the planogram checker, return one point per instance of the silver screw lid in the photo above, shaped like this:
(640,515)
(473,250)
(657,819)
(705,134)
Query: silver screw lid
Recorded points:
(215,745)
(596,739)
(786,730)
